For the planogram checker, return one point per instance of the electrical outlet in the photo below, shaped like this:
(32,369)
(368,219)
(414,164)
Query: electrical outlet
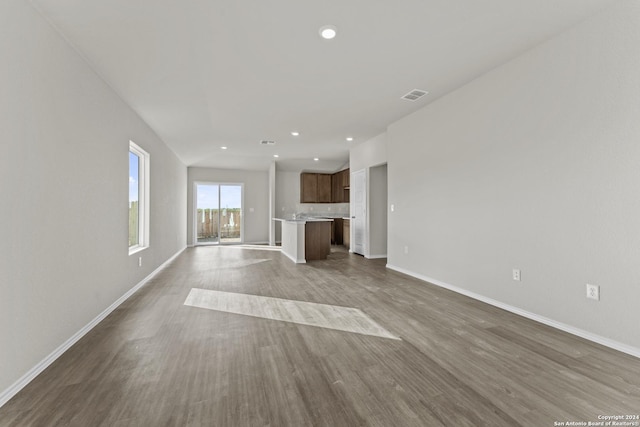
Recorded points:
(406,250)
(139,261)
(516,274)
(593,292)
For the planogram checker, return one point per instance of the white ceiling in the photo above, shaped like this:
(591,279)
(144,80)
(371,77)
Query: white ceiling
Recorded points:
(210,73)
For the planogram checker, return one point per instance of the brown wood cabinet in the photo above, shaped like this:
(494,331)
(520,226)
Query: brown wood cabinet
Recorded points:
(339,187)
(308,187)
(324,188)
(317,243)
(346,178)
(346,236)
(338,226)
(336,183)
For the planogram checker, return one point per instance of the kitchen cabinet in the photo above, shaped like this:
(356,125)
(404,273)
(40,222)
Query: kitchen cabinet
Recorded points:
(336,183)
(337,231)
(339,187)
(346,236)
(346,178)
(324,188)
(346,175)
(317,240)
(308,187)
(306,239)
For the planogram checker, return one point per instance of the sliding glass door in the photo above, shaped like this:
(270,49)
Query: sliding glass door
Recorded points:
(218,213)
(230,213)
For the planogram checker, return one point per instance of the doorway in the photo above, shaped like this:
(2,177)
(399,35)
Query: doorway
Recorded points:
(358,211)
(218,213)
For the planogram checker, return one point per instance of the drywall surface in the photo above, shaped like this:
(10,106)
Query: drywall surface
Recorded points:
(256,199)
(535,166)
(371,156)
(64,143)
(372,152)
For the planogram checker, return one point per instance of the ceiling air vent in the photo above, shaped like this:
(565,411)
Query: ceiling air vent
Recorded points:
(415,95)
(267,142)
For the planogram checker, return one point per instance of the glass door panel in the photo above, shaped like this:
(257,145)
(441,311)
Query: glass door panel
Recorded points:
(207,213)
(230,213)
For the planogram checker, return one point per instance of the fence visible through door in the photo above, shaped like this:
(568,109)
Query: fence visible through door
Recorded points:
(218,213)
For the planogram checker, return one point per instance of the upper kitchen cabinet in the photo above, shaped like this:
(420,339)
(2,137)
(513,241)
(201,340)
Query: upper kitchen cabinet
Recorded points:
(336,188)
(324,188)
(308,188)
(315,188)
(340,186)
(346,178)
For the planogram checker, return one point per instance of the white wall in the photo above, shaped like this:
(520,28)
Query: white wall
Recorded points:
(287,194)
(64,142)
(372,152)
(536,166)
(256,197)
(371,155)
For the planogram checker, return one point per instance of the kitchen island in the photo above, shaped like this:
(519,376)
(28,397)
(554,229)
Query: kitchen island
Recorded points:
(306,239)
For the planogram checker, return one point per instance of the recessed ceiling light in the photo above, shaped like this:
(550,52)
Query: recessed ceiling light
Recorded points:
(349,138)
(295,133)
(328,32)
(224,148)
(315,159)
(276,156)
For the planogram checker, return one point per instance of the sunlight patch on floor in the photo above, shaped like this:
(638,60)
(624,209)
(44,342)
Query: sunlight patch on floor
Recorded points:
(305,313)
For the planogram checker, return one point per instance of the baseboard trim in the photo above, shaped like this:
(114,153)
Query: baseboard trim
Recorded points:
(376,256)
(292,258)
(616,345)
(7,394)
(262,242)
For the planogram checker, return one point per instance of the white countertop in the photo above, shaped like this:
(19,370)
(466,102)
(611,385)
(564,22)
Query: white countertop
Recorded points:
(303,220)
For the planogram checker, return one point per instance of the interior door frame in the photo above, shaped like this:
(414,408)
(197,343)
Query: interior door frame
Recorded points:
(195,213)
(356,216)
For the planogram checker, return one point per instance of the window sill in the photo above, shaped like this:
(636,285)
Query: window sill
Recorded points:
(136,249)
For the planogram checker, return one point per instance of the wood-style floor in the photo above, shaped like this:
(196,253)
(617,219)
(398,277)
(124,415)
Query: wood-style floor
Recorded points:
(157,362)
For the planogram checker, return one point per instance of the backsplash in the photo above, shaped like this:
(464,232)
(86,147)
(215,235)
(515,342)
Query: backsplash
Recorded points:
(314,209)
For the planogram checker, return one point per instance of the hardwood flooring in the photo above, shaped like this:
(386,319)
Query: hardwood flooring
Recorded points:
(459,362)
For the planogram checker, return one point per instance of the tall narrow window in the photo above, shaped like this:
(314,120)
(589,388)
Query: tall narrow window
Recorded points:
(138,198)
